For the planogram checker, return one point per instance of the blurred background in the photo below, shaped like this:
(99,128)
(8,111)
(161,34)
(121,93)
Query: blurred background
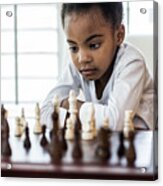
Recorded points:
(34,52)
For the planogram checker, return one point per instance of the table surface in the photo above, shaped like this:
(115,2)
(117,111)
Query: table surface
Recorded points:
(37,161)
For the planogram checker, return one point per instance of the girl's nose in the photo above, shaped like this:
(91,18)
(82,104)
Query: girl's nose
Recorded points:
(84,57)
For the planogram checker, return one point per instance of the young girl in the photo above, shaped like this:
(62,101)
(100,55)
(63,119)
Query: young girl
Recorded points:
(111,74)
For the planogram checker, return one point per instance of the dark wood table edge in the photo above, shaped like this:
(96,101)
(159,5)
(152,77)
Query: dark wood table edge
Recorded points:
(55,171)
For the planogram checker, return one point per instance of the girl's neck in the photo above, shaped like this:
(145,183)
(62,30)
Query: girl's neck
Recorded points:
(101,83)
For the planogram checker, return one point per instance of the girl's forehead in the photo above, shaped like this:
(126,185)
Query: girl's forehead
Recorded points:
(79,26)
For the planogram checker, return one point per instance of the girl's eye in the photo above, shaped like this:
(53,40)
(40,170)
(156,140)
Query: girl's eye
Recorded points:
(73,49)
(94,46)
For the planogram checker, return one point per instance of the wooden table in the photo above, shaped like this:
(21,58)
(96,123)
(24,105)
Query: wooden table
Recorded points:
(37,162)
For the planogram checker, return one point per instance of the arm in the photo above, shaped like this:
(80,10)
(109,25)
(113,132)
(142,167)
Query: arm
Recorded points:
(68,81)
(126,94)
(65,104)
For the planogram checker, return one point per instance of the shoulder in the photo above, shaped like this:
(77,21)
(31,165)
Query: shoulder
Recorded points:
(129,52)
(129,55)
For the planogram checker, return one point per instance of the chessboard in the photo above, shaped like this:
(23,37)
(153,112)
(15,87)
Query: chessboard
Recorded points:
(131,159)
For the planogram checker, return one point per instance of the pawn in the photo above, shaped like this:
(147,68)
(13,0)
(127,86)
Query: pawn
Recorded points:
(128,129)
(55,119)
(44,141)
(22,120)
(121,149)
(106,125)
(18,131)
(37,127)
(130,152)
(27,143)
(102,151)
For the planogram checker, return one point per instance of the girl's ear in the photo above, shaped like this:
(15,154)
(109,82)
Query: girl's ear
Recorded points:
(120,34)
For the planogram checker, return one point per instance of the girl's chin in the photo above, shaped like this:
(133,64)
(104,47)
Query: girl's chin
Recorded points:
(90,78)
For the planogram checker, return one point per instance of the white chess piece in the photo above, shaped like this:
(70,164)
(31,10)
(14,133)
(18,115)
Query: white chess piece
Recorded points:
(72,102)
(89,127)
(73,106)
(56,107)
(128,123)
(92,121)
(106,123)
(6,115)
(37,127)
(87,132)
(69,133)
(22,120)
(56,103)
(18,131)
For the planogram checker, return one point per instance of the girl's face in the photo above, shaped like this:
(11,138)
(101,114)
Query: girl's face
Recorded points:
(92,42)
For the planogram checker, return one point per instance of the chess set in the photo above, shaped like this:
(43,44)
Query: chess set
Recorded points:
(75,150)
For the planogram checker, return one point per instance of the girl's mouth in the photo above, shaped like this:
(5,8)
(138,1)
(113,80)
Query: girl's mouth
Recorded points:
(88,71)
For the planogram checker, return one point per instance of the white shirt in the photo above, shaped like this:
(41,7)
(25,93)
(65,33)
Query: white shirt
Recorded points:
(130,87)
